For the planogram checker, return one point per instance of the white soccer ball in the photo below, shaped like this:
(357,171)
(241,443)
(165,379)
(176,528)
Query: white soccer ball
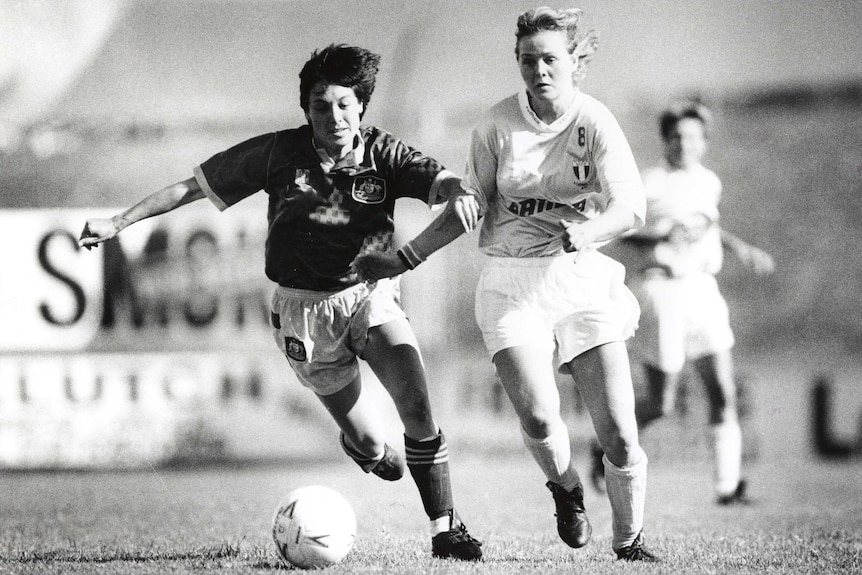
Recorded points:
(314,527)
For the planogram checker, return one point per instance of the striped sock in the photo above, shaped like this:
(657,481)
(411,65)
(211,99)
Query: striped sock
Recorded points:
(428,462)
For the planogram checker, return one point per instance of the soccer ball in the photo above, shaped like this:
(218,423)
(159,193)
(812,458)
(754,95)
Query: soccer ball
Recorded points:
(313,527)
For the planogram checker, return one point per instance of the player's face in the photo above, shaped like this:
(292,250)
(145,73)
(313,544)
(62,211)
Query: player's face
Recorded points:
(334,112)
(686,143)
(546,66)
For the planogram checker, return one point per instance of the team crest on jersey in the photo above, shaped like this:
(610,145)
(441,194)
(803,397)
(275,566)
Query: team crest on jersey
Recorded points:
(295,349)
(582,171)
(369,189)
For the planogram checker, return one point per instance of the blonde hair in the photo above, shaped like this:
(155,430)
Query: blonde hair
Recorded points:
(581,45)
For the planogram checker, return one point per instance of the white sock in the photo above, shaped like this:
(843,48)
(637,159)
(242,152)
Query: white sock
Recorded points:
(444,523)
(554,456)
(727,448)
(627,494)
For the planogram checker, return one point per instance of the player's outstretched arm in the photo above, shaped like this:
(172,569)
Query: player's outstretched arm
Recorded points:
(98,230)
(461,215)
(755,258)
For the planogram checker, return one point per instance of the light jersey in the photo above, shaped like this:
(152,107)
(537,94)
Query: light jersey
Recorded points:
(529,175)
(682,219)
(321,214)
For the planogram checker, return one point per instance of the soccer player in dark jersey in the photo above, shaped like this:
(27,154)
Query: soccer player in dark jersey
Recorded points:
(332,186)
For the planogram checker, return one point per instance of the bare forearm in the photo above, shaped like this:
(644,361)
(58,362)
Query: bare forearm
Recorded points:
(442,231)
(612,223)
(160,202)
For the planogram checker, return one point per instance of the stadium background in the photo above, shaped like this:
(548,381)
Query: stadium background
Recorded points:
(102,102)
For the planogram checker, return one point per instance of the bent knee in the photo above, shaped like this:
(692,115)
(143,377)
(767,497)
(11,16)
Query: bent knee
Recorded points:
(623,451)
(539,426)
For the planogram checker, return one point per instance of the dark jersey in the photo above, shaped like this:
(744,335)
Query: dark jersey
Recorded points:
(318,220)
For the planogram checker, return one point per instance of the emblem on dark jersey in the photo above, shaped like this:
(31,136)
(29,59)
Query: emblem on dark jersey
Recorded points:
(369,190)
(582,171)
(295,349)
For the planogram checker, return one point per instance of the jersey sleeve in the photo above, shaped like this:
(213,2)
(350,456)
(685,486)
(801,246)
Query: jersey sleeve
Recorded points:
(236,173)
(481,176)
(414,175)
(617,169)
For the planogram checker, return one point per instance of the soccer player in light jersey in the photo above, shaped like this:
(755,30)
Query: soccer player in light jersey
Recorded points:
(672,262)
(554,177)
(332,186)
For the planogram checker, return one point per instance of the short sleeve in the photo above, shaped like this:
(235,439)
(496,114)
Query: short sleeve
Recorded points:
(238,172)
(413,173)
(481,177)
(618,170)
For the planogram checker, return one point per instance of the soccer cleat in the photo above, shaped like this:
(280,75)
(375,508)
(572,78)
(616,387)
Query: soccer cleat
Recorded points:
(637,552)
(573,526)
(456,543)
(390,468)
(597,467)
(737,497)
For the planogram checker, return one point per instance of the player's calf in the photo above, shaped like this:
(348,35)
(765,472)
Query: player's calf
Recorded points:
(387,465)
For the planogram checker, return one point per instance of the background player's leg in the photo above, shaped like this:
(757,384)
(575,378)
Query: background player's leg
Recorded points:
(660,397)
(716,372)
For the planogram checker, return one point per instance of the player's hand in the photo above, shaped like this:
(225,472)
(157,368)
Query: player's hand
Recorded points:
(575,237)
(760,262)
(96,231)
(372,266)
(466,208)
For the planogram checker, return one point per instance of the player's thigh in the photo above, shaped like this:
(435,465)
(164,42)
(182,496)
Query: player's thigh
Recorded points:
(393,354)
(661,334)
(716,373)
(526,374)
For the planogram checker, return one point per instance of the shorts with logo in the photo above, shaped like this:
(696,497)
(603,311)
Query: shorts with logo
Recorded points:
(554,303)
(682,318)
(323,333)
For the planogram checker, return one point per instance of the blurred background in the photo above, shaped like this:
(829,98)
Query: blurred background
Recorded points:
(155,349)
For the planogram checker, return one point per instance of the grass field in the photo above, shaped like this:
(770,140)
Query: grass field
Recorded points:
(807,518)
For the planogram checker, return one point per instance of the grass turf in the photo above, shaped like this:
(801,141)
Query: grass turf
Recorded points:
(806,518)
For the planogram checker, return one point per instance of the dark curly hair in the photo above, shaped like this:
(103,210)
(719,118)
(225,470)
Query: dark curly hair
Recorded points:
(681,111)
(340,65)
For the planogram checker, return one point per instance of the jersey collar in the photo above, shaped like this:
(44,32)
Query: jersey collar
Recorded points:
(557,125)
(350,164)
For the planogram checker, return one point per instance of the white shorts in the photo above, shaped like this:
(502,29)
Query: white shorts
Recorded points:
(681,319)
(555,303)
(322,334)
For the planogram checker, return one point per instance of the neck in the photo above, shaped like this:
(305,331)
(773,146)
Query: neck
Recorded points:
(550,110)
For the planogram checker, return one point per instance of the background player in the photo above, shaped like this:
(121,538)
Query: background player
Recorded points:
(332,186)
(671,263)
(554,175)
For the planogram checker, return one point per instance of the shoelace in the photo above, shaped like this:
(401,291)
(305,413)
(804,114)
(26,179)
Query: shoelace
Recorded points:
(636,552)
(460,535)
(567,505)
